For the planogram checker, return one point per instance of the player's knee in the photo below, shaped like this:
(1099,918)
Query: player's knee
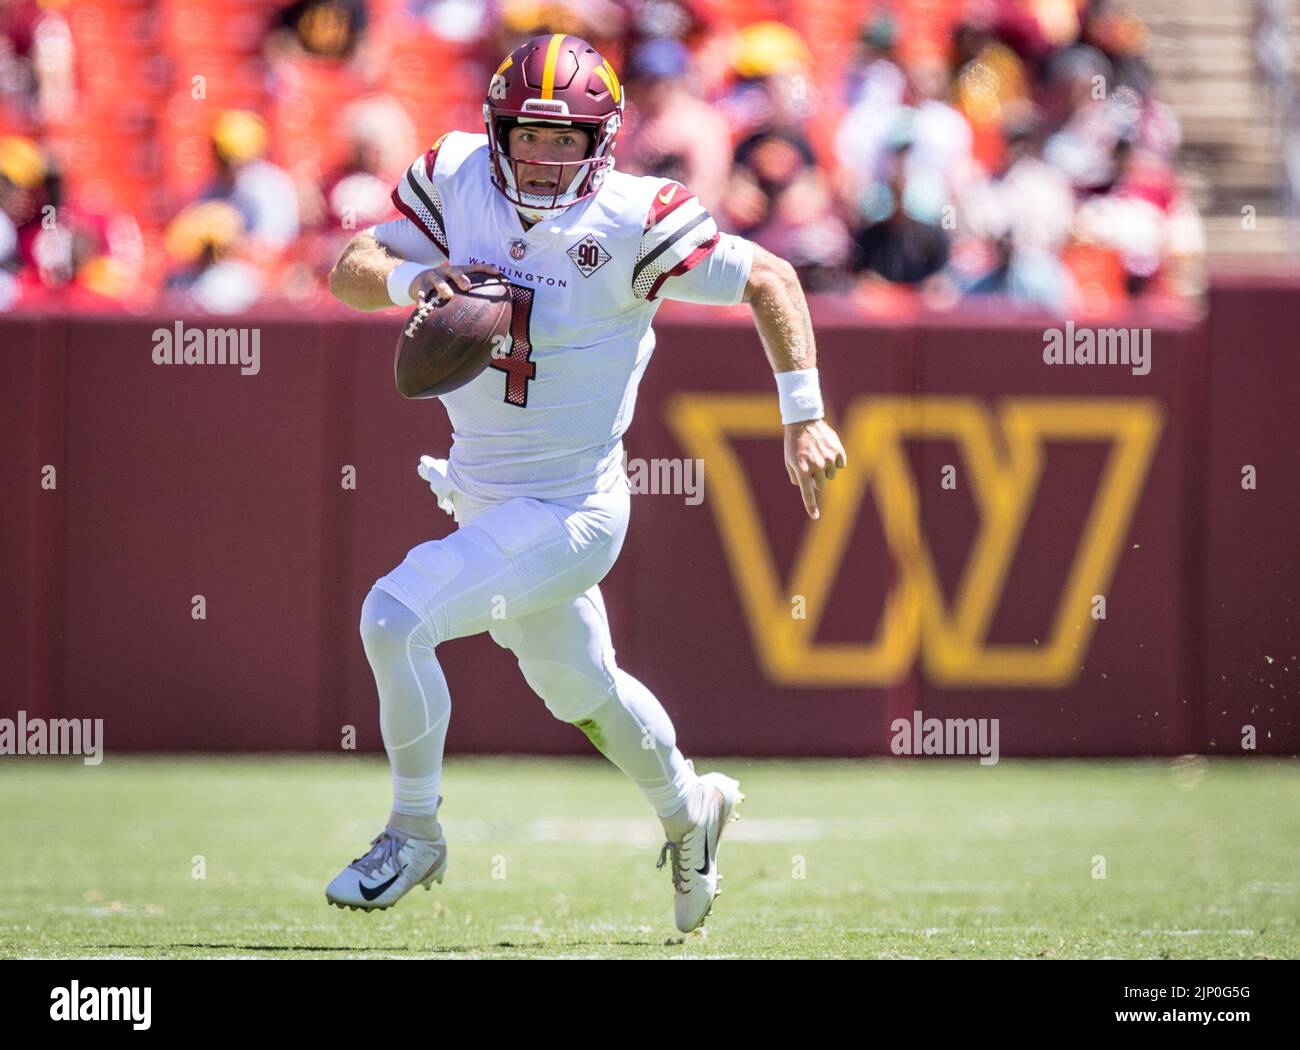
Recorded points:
(427,580)
(570,692)
(387,626)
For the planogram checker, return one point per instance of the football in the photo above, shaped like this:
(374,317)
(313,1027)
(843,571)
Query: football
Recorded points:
(445,345)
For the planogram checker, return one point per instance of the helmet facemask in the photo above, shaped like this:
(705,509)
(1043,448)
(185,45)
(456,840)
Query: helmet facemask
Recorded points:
(575,180)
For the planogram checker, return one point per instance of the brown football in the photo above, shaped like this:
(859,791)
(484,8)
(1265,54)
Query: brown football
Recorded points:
(446,345)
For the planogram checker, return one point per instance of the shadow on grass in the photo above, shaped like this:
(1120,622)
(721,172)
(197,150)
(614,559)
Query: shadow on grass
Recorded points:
(352,948)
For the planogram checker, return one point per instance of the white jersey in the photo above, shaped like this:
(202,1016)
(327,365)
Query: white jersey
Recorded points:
(547,420)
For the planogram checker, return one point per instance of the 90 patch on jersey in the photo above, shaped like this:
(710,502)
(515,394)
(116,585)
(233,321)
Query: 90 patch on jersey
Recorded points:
(588,255)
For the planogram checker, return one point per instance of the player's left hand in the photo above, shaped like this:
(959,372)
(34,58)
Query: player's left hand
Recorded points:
(813,456)
(442,280)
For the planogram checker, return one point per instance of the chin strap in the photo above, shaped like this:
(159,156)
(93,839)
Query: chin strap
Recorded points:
(539,216)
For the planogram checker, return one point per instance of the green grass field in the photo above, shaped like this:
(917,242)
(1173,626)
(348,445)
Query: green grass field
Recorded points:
(871,859)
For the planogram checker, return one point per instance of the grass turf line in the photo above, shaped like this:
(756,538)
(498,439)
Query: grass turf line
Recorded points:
(556,858)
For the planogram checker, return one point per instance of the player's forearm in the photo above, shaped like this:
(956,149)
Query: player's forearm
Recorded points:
(785,327)
(781,313)
(360,277)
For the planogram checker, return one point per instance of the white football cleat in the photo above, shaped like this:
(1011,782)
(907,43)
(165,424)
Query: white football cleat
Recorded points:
(695,858)
(394,866)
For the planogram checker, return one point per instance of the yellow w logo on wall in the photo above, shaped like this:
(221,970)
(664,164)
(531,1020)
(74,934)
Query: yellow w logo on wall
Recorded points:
(951,641)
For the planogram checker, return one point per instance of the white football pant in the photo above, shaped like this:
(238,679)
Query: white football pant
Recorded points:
(526,571)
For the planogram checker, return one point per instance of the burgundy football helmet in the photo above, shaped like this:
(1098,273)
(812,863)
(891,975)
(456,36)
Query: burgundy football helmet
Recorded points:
(552,80)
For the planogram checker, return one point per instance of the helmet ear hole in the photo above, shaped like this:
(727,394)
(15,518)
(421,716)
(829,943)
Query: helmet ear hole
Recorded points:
(503,126)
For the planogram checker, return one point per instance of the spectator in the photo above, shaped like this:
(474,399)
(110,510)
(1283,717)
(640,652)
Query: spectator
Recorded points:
(1030,30)
(463,22)
(22,172)
(356,194)
(805,230)
(322,28)
(1021,275)
(1143,217)
(665,19)
(991,79)
(773,84)
(1014,225)
(900,247)
(1085,118)
(36,63)
(862,138)
(938,153)
(332,34)
(671,132)
(61,247)
(262,193)
(939,160)
(22,169)
(204,239)
(874,72)
(602,23)
(777,196)
(1089,188)
(1121,38)
(381,142)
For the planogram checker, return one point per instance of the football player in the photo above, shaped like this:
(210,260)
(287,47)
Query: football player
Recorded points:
(535,476)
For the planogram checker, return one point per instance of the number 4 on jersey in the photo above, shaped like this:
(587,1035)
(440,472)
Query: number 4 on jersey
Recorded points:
(514,360)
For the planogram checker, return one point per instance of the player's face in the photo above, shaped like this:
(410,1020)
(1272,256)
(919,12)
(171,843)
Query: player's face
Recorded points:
(551,146)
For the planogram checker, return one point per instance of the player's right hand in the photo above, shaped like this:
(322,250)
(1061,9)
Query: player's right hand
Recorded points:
(437,283)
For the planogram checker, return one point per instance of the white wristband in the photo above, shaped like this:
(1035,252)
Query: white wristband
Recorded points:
(800,394)
(399,281)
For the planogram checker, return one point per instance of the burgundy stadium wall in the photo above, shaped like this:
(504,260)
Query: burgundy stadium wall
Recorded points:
(761,632)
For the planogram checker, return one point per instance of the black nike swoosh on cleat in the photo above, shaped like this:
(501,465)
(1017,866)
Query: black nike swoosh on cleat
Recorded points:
(371,892)
(705,870)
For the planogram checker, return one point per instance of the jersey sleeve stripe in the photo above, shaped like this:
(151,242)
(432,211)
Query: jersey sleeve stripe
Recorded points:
(421,204)
(425,188)
(667,243)
(670,224)
(691,260)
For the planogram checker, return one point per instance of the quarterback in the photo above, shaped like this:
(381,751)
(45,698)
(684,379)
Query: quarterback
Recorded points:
(535,477)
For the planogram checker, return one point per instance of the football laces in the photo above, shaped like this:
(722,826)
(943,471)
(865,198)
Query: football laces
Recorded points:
(419,317)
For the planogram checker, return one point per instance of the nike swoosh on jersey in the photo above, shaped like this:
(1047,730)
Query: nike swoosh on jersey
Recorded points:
(666,197)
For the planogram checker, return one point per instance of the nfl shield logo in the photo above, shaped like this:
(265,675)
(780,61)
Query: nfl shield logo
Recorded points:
(517,249)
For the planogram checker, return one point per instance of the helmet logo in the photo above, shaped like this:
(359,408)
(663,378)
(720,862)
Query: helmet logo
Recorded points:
(537,105)
(498,90)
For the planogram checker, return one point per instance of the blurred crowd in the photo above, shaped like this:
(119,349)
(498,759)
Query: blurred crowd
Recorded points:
(897,153)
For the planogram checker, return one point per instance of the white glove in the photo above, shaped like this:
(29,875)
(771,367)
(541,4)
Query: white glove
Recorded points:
(434,471)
